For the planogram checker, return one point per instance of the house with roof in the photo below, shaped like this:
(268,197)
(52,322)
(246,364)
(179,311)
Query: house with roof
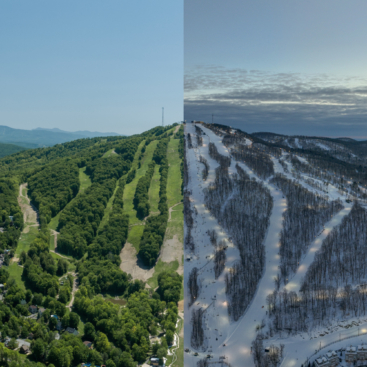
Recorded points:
(24,349)
(71,330)
(41,310)
(88,344)
(322,362)
(350,354)
(59,326)
(155,362)
(33,309)
(362,352)
(332,358)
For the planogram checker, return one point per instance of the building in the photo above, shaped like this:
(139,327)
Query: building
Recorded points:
(71,330)
(33,309)
(332,358)
(41,310)
(350,354)
(88,344)
(322,362)
(24,349)
(58,326)
(362,352)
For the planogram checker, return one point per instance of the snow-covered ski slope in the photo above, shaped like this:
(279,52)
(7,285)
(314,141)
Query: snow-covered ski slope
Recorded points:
(222,336)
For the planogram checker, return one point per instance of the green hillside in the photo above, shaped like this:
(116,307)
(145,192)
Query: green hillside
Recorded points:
(8,149)
(70,214)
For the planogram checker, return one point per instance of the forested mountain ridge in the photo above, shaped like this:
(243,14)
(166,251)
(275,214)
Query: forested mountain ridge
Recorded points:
(79,192)
(8,149)
(43,137)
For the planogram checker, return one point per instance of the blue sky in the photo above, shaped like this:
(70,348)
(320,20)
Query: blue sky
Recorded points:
(90,65)
(293,67)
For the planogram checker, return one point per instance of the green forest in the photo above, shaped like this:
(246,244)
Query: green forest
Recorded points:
(65,300)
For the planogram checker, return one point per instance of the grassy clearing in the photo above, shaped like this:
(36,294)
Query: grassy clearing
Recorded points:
(81,328)
(129,190)
(135,235)
(154,190)
(54,222)
(159,268)
(108,209)
(15,272)
(174,180)
(120,302)
(71,266)
(175,226)
(84,180)
(52,242)
(109,153)
(25,240)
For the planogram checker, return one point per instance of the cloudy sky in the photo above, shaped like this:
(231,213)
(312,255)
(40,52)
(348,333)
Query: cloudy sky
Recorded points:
(291,67)
(105,66)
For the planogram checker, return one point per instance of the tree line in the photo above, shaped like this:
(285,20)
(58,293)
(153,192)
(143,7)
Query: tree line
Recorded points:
(53,186)
(302,221)
(11,217)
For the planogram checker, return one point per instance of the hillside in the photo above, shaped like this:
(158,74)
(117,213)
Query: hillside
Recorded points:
(92,232)
(275,244)
(7,149)
(44,137)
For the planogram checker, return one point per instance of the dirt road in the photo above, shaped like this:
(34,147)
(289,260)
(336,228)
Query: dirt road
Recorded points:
(75,288)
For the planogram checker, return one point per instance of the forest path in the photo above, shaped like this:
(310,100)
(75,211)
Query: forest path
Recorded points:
(55,233)
(171,208)
(75,288)
(30,214)
(172,249)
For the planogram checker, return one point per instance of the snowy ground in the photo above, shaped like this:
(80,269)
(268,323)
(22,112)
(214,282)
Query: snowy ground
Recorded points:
(224,337)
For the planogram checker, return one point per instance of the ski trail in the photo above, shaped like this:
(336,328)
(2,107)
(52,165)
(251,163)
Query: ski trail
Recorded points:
(237,344)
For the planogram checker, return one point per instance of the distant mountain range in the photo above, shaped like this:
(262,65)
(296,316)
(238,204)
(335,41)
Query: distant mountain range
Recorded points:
(41,137)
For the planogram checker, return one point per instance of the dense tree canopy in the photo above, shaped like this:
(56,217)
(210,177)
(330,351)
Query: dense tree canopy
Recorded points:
(53,187)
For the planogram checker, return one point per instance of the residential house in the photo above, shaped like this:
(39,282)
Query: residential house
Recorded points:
(71,330)
(322,362)
(23,302)
(332,358)
(24,349)
(88,344)
(350,354)
(41,310)
(33,309)
(155,362)
(362,352)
